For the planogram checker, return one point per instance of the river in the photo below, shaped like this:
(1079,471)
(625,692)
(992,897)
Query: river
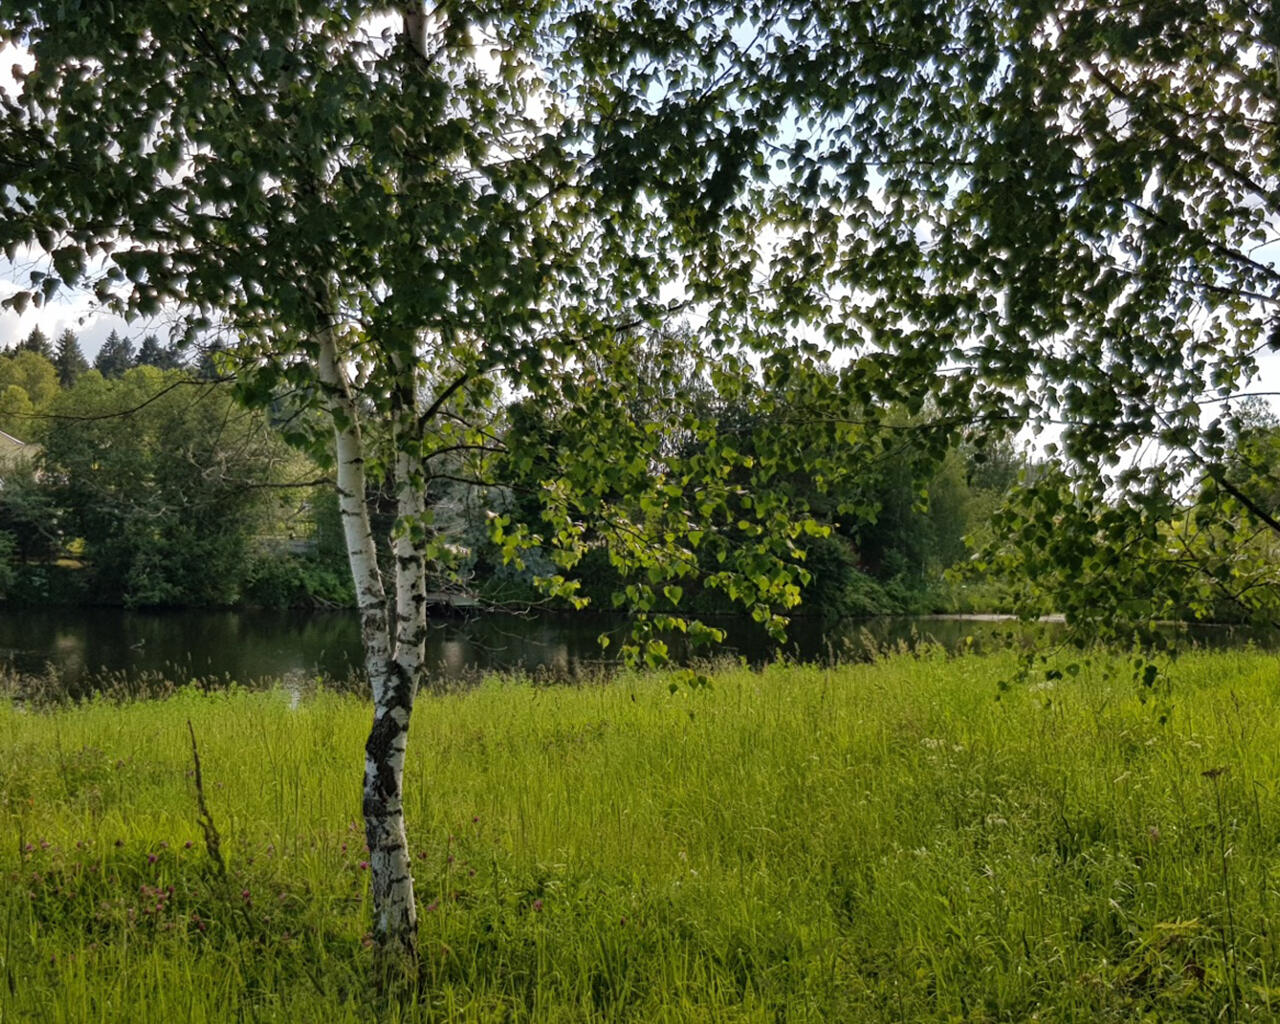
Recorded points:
(91,647)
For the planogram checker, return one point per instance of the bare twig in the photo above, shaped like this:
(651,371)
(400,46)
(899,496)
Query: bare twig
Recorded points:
(212,841)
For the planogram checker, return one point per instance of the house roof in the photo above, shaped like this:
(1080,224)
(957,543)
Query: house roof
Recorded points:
(14,451)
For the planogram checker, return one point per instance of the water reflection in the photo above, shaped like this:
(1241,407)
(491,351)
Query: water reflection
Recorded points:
(256,647)
(253,647)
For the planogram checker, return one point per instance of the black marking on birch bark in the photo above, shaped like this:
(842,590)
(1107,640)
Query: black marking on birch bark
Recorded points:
(386,730)
(403,690)
(375,824)
(373,623)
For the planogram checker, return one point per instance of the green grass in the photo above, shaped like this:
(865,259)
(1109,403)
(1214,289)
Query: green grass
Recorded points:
(868,843)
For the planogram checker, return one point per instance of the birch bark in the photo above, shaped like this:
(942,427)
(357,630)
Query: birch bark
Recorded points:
(394,638)
(395,910)
(391,662)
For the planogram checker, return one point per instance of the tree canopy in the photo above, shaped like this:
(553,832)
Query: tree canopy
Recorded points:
(115,356)
(28,382)
(68,359)
(38,342)
(997,214)
(1063,214)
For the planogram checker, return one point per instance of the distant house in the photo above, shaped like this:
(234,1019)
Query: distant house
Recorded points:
(14,452)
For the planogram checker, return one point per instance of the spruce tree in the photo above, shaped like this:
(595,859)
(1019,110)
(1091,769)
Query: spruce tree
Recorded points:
(68,359)
(38,342)
(150,352)
(115,357)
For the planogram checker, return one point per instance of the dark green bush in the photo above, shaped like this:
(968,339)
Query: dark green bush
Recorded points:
(297,581)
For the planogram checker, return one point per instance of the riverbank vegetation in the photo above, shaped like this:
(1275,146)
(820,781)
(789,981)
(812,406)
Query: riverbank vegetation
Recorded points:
(146,485)
(906,840)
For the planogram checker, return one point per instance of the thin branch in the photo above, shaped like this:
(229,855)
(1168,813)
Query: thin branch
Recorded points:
(1171,130)
(322,481)
(1220,478)
(126,412)
(441,398)
(494,449)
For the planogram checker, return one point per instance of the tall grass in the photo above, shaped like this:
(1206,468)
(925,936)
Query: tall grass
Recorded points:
(896,841)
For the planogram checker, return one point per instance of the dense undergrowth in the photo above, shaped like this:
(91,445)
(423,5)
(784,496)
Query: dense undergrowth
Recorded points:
(904,840)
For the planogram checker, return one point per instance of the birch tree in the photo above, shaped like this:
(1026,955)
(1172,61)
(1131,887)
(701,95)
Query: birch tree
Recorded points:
(402,216)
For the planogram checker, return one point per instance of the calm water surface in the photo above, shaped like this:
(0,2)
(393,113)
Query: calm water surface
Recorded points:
(262,646)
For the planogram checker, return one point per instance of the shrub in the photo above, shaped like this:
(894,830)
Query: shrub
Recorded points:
(297,581)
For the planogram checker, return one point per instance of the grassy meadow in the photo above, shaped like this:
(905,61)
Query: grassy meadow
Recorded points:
(898,841)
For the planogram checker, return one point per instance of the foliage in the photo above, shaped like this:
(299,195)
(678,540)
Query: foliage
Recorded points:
(28,382)
(33,373)
(896,516)
(1006,214)
(152,353)
(1252,460)
(1074,200)
(49,584)
(17,414)
(297,581)
(164,480)
(28,514)
(1206,551)
(327,517)
(38,342)
(8,571)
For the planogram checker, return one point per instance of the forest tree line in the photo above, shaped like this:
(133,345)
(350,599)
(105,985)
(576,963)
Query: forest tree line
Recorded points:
(151,486)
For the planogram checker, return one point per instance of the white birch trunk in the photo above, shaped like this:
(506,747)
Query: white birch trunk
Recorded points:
(394,650)
(392,670)
(390,861)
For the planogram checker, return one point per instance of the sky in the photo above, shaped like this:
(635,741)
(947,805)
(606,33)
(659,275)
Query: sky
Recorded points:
(74,312)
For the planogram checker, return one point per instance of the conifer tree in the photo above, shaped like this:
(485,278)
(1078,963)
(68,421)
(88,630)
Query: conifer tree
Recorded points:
(115,357)
(68,359)
(152,353)
(38,342)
